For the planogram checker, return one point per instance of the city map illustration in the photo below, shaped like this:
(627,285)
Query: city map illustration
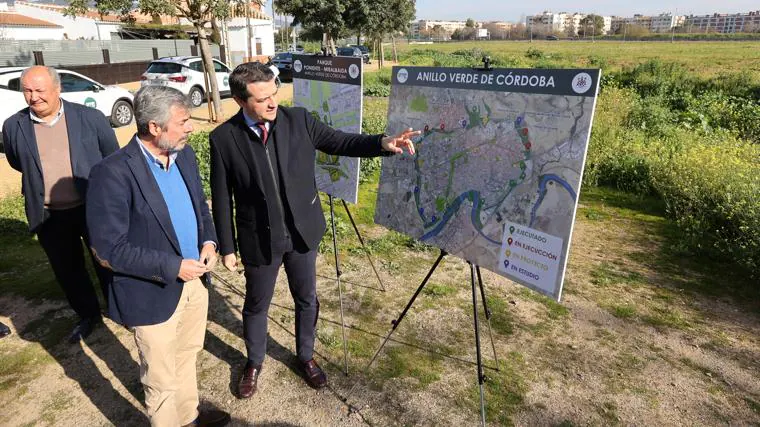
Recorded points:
(496,176)
(338,105)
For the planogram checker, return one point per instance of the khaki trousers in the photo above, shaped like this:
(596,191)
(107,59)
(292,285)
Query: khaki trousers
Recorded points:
(168,352)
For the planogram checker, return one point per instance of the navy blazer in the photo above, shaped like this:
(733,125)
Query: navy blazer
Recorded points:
(90,140)
(131,233)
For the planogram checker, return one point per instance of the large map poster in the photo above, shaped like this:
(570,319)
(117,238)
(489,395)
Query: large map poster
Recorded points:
(331,89)
(498,167)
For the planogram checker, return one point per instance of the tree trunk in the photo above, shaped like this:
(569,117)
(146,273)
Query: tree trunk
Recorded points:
(208,64)
(249,32)
(377,53)
(395,52)
(382,53)
(331,45)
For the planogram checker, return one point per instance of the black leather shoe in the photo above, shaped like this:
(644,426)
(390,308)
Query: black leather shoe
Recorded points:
(314,375)
(4,330)
(249,381)
(84,328)
(214,418)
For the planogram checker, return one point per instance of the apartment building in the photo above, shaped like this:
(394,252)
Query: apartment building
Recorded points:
(547,22)
(424,27)
(723,23)
(563,22)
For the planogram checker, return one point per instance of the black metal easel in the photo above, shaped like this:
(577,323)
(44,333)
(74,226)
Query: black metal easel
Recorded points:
(339,273)
(474,275)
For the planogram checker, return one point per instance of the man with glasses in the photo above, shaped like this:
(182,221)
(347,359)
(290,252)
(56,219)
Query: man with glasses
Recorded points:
(262,172)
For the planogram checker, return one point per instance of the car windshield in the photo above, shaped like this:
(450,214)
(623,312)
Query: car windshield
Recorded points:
(363,49)
(284,55)
(164,68)
(346,51)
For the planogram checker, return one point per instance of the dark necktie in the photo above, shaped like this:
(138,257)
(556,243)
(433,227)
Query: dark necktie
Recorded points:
(264,132)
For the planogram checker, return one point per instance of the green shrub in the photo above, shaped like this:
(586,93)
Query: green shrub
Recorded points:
(378,83)
(652,115)
(708,179)
(199,142)
(657,78)
(13,217)
(712,190)
(369,169)
(534,53)
(377,90)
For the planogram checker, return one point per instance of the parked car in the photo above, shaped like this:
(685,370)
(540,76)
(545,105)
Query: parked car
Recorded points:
(113,101)
(365,52)
(284,63)
(552,38)
(351,51)
(185,73)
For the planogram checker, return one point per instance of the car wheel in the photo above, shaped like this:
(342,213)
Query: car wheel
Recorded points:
(196,96)
(121,114)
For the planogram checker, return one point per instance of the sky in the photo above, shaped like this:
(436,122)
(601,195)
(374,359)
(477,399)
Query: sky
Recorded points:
(505,10)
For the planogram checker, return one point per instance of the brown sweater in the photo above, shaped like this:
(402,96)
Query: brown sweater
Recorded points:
(53,145)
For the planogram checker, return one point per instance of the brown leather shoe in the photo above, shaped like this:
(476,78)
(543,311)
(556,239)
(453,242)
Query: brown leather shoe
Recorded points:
(213,418)
(248,381)
(315,376)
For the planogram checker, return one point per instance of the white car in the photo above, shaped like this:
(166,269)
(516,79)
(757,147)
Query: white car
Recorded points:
(114,102)
(185,73)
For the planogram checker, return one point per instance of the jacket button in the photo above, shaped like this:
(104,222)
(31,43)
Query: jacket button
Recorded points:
(267,227)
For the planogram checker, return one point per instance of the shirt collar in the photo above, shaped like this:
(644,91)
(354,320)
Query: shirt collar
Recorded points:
(253,124)
(52,123)
(155,160)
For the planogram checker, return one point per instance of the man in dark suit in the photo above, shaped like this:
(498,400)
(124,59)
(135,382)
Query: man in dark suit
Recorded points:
(150,224)
(54,143)
(262,169)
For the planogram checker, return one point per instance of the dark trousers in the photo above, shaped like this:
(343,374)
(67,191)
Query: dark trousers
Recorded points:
(61,237)
(259,287)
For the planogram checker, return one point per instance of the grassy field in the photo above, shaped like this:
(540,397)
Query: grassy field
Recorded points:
(706,59)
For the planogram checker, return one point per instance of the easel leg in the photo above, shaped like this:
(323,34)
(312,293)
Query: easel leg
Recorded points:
(488,315)
(340,287)
(366,251)
(397,321)
(481,376)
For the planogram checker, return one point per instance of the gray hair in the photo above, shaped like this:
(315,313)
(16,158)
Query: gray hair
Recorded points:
(51,71)
(153,103)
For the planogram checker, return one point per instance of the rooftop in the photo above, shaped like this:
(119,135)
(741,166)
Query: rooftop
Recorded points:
(9,19)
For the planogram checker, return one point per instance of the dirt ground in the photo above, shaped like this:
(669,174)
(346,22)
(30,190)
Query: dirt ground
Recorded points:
(675,358)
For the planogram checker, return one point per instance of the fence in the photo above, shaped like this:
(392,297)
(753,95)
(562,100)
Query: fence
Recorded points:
(108,62)
(65,53)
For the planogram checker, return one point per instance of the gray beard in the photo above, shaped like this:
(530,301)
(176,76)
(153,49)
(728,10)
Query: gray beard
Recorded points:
(166,145)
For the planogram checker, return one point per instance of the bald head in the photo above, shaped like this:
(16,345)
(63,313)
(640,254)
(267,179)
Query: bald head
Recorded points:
(42,90)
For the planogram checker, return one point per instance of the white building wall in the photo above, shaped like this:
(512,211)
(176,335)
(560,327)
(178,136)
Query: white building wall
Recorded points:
(30,33)
(607,29)
(105,29)
(262,29)
(74,28)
